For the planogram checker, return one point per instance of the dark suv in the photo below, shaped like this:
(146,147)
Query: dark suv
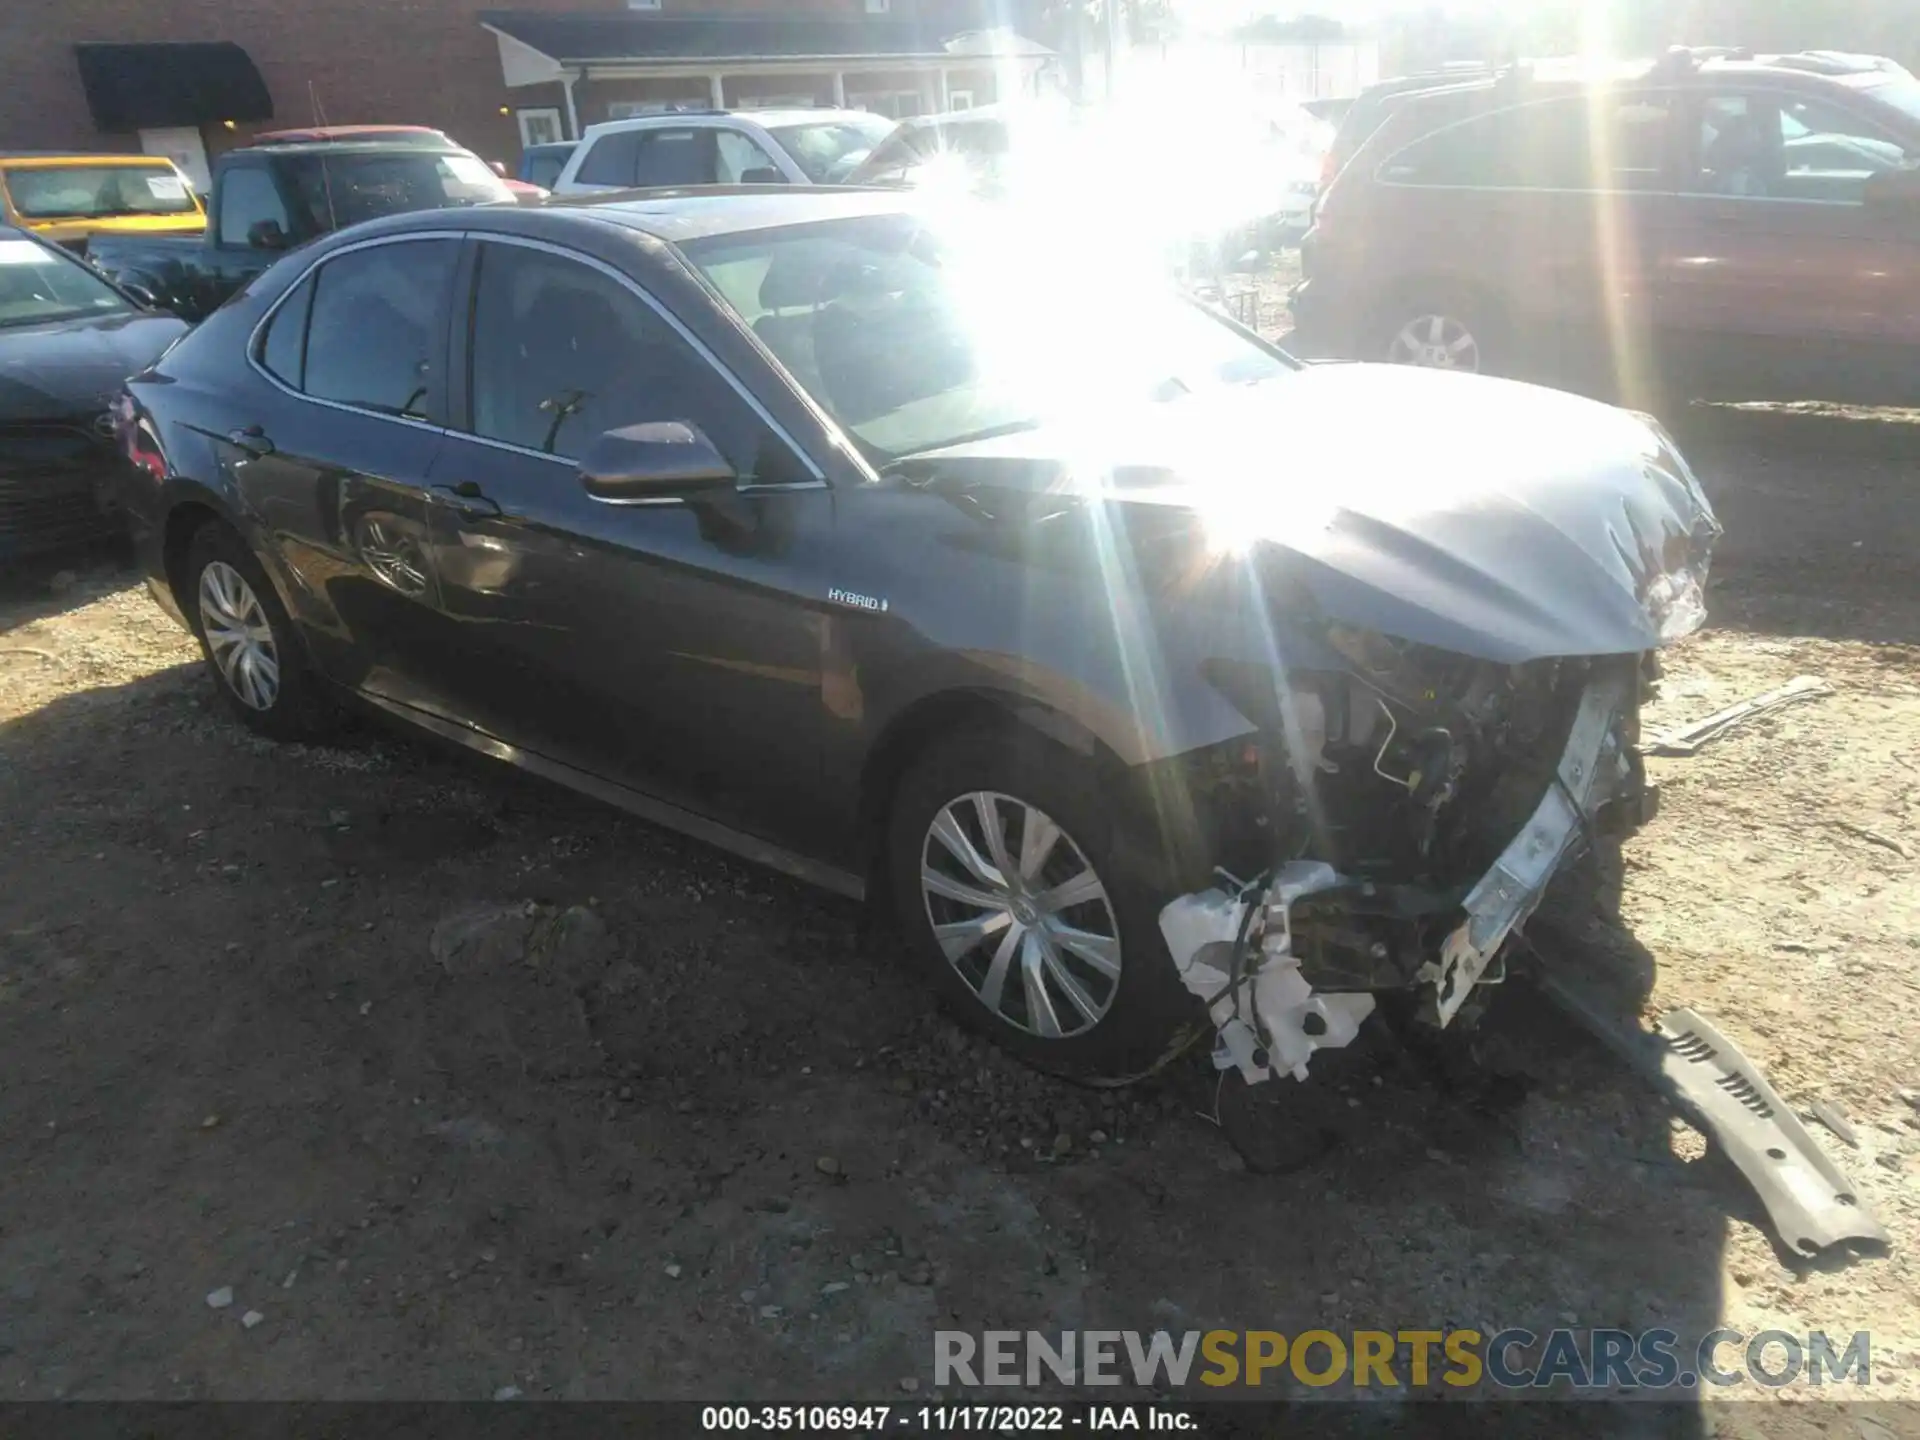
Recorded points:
(1719,228)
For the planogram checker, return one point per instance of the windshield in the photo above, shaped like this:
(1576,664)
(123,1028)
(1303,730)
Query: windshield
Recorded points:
(354,187)
(914,338)
(828,150)
(38,287)
(1902,92)
(98,192)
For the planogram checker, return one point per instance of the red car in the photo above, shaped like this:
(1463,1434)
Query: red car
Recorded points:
(1724,228)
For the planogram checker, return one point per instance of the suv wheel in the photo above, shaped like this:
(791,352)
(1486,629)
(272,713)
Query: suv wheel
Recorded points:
(248,641)
(1436,342)
(1031,914)
(1441,332)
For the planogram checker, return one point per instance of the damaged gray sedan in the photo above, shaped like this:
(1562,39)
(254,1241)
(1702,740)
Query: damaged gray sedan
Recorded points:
(1375,643)
(1162,685)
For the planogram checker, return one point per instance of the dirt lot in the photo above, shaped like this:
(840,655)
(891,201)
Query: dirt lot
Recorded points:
(726,1147)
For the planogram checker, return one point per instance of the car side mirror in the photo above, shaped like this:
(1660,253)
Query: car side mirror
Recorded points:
(266,235)
(656,461)
(140,295)
(762,175)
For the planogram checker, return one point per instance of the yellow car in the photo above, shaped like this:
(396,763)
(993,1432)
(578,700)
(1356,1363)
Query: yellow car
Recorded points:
(71,198)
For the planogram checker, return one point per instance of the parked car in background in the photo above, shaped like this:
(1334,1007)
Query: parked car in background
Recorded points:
(846,533)
(722,147)
(541,164)
(421,136)
(70,199)
(1718,228)
(968,148)
(1299,142)
(68,340)
(268,199)
(1357,118)
(1253,191)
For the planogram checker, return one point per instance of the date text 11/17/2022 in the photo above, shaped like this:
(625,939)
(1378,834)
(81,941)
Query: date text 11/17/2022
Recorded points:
(937,1419)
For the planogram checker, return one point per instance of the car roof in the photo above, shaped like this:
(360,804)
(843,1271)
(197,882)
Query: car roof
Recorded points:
(51,158)
(350,147)
(1560,75)
(341,132)
(768,118)
(698,213)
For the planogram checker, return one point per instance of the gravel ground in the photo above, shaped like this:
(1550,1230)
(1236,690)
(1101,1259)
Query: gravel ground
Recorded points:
(458,1082)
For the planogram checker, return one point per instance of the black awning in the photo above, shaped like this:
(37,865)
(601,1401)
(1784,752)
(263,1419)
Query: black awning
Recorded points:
(141,87)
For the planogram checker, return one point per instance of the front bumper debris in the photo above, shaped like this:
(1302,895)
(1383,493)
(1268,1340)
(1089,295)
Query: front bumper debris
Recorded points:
(1593,769)
(1811,1202)
(1267,1018)
(1235,950)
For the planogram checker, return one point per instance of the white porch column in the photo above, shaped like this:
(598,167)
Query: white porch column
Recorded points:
(944,94)
(716,92)
(567,78)
(839,89)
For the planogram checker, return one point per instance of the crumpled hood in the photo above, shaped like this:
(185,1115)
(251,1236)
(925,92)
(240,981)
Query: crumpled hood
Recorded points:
(1486,517)
(75,367)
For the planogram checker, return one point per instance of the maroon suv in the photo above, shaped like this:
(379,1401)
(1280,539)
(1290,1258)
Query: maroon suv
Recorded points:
(1722,228)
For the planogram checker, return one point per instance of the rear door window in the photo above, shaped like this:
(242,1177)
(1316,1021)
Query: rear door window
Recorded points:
(1580,143)
(283,351)
(610,160)
(676,157)
(377,336)
(251,209)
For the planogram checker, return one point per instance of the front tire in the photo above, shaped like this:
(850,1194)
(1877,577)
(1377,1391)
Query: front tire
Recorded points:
(248,642)
(1030,904)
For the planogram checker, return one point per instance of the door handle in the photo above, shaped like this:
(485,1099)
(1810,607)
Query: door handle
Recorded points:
(468,500)
(252,441)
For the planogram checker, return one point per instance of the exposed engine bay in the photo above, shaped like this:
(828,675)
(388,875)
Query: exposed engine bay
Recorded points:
(1400,822)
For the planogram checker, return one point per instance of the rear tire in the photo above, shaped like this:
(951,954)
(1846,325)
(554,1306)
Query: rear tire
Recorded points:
(1084,984)
(1443,329)
(256,659)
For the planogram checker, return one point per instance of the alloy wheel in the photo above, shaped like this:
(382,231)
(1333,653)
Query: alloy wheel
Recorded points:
(238,636)
(1436,342)
(1021,914)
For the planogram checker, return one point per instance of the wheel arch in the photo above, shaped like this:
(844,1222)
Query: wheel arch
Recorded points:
(185,519)
(1484,298)
(934,717)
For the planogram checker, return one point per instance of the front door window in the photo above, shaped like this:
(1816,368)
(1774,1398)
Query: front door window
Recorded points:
(1765,147)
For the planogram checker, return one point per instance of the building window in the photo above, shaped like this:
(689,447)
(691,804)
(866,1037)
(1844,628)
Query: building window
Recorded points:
(960,99)
(894,104)
(540,126)
(879,7)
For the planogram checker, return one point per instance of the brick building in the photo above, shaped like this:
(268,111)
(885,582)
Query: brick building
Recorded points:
(190,78)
